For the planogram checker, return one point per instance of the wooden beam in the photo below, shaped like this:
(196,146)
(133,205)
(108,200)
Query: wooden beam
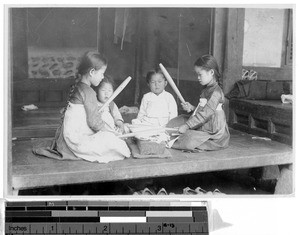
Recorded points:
(7,160)
(233,62)
(19,43)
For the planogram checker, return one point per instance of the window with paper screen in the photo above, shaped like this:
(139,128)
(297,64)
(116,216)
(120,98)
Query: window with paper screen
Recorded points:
(268,37)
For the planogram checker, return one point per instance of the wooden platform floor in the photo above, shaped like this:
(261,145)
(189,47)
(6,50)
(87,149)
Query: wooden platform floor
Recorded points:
(35,123)
(30,171)
(41,123)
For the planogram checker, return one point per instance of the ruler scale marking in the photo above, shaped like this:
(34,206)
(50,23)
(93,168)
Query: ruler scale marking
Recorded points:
(79,217)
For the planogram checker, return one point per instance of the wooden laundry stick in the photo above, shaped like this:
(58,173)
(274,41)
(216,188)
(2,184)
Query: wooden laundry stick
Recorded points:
(150,131)
(139,125)
(116,93)
(146,126)
(171,82)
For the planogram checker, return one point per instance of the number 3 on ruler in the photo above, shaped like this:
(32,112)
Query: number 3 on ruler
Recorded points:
(158,228)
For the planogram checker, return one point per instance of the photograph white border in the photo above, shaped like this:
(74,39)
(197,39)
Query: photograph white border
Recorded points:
(287,208)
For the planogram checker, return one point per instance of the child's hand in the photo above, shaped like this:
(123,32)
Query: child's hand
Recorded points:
(182,129)
(121,127)
(187,107)
(108,128)
(126,128)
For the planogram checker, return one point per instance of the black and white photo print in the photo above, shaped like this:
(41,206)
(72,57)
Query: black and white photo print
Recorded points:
(156,101)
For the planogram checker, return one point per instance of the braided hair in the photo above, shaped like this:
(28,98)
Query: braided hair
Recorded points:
(90,60)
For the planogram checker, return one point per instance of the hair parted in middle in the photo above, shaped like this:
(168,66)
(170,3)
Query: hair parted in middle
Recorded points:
(152,72)
(108,80)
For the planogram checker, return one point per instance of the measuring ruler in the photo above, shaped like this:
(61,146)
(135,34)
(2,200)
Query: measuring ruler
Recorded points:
(103,217)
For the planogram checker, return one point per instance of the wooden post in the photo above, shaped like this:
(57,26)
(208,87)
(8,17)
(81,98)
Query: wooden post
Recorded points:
(8,190)
(100,37)
(138,61)
(285,184)
(233,61)
(19,43)
(219,36)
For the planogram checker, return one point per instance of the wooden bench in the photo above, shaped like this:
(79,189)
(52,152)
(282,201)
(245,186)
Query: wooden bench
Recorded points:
(269,118)
(31,171)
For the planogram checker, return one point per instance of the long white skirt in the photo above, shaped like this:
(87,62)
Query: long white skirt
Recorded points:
(102,147)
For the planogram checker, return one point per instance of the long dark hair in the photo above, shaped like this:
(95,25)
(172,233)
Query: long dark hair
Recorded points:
(91,60)
(208,62)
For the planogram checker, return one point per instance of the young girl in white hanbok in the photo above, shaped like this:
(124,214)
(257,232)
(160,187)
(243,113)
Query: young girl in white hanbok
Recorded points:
(158,106)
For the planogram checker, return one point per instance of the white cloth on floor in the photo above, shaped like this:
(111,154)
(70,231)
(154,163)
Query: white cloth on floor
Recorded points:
(101,147)
(285,99)
(125,109)
(29,107)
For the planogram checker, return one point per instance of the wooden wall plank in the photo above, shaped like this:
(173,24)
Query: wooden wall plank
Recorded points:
(194,40)
(41,92)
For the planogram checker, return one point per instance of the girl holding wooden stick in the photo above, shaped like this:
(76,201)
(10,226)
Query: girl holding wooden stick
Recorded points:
(83,134)
(110,114)
(205,127)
